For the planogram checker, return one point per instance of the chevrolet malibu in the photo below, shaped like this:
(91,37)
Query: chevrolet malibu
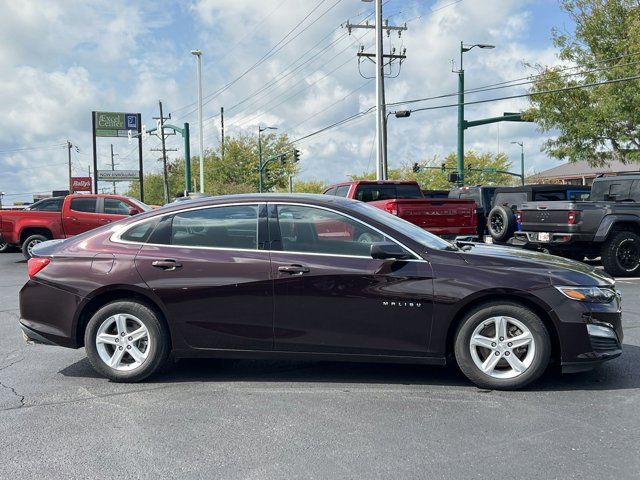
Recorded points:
(313,277)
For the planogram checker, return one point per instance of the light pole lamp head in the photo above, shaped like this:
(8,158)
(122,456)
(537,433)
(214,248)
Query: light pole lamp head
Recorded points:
(262,129)
(466,48)
(197,53)
(402,113)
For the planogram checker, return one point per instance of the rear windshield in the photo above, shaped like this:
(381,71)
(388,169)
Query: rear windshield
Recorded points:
(372,193)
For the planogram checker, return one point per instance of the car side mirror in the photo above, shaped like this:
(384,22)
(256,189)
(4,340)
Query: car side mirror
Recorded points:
(388,251)
(133,211)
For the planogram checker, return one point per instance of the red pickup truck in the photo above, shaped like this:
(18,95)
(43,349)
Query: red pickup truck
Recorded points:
(445,217)
(62,217)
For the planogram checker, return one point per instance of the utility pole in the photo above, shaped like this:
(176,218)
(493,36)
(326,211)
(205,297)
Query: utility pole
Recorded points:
(113,167)
(162,135)
(222,129)
(521,144)
(69,146)
(380,60)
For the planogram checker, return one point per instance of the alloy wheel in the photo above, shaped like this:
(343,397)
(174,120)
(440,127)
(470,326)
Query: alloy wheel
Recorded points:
(628,254)
(31,245)
(123,342)
(497,224)
(502,347)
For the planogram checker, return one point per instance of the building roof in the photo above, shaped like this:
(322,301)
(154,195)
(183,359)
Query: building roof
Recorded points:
(583,169)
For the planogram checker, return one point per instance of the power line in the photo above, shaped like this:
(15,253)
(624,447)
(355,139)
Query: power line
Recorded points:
(271,52)
(451,105)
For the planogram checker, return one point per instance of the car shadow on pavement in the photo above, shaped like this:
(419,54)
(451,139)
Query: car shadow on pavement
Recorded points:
(618,374)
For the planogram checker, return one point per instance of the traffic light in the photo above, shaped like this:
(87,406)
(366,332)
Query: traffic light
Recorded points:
(444,166)
(469,166)
(416,168)
(296,155)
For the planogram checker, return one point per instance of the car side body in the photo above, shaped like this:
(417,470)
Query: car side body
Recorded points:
(264,299)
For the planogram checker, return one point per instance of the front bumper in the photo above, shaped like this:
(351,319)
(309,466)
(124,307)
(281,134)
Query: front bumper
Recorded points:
(589,333)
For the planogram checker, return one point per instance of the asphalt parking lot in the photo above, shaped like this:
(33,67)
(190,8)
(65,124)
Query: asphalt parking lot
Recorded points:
(251,419)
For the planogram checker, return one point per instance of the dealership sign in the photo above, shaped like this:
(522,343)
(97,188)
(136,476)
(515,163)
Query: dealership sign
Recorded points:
(115,124)
(118,175)
(80,184)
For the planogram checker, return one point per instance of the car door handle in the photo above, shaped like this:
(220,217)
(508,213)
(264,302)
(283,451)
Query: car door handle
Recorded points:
(166,264)
(294,269)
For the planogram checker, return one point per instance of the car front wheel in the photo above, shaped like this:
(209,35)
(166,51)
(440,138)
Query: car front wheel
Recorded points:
(502,346)
(126,341)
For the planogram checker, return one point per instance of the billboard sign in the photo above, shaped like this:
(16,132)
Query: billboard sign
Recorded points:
(115,124)
(81,184)
(118,175)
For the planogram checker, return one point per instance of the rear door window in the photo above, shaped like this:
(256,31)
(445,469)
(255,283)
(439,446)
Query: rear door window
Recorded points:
(87,205)
(115,206)
(550,196)
(342,190)
(408,191)
(510,200)
(234,226)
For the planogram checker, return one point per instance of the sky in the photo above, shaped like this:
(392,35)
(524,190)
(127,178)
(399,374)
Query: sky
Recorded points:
(289,64)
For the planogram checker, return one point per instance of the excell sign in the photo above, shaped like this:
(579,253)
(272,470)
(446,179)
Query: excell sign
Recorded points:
(118,175)
(115,124)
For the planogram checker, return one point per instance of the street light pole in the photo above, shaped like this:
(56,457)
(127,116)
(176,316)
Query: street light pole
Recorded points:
(521,158)
(198,55)
(463,48)
(260,130)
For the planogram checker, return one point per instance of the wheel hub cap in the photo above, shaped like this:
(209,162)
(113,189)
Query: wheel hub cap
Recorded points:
(502,347)
(123,342)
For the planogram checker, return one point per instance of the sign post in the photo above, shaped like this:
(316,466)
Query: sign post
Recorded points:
(117,124)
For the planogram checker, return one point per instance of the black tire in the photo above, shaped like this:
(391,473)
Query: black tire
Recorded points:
(539,355)
(158,341)
(31,242)
(501,223)
(4,246)
(620,254)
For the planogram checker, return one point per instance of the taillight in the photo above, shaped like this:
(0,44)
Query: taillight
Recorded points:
(391,208)
(519,216)
(573,217)
(35,264)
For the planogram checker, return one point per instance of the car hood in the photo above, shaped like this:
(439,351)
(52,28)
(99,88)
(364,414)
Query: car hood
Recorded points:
(561,271)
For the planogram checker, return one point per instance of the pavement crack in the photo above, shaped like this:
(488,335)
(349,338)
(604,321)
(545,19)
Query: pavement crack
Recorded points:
(13,390)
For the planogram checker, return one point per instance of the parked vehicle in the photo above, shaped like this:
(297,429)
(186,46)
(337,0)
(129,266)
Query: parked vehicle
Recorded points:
(502,220)
(483,196)
(435,193)
(441,216)
(265,276)
(62,217)
(608,225)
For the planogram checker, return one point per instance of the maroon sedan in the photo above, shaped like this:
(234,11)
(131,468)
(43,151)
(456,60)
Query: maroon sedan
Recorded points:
(314,277)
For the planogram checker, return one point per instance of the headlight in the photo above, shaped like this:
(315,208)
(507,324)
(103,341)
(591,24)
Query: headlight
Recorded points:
(589,294)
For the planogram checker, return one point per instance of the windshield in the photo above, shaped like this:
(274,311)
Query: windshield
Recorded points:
(412,231)
(143,206)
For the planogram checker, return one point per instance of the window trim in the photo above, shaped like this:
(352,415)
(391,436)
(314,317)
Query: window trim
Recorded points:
(115,237)
(337,212)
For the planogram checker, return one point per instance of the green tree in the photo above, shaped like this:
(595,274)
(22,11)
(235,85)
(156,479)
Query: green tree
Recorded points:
(434,178)
(309,186)
(237,173)
(601,123)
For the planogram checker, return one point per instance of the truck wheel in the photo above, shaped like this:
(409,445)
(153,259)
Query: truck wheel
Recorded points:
(31,242)
(621,254)
(501,223)
(4,246)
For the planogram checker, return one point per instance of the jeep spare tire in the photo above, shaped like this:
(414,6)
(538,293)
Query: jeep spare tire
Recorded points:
(501,223)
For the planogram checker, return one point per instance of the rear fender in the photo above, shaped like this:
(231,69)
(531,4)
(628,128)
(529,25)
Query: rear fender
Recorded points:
(608,222)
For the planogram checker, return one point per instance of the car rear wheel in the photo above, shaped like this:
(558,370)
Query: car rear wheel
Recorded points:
(4,246)
(126,341)
(501,223)
(30,242)
(502,346)
(621,254)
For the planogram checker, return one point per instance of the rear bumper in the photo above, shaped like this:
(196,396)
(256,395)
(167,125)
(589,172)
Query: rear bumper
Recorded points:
(47,314)
(555,238)
(30,335)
